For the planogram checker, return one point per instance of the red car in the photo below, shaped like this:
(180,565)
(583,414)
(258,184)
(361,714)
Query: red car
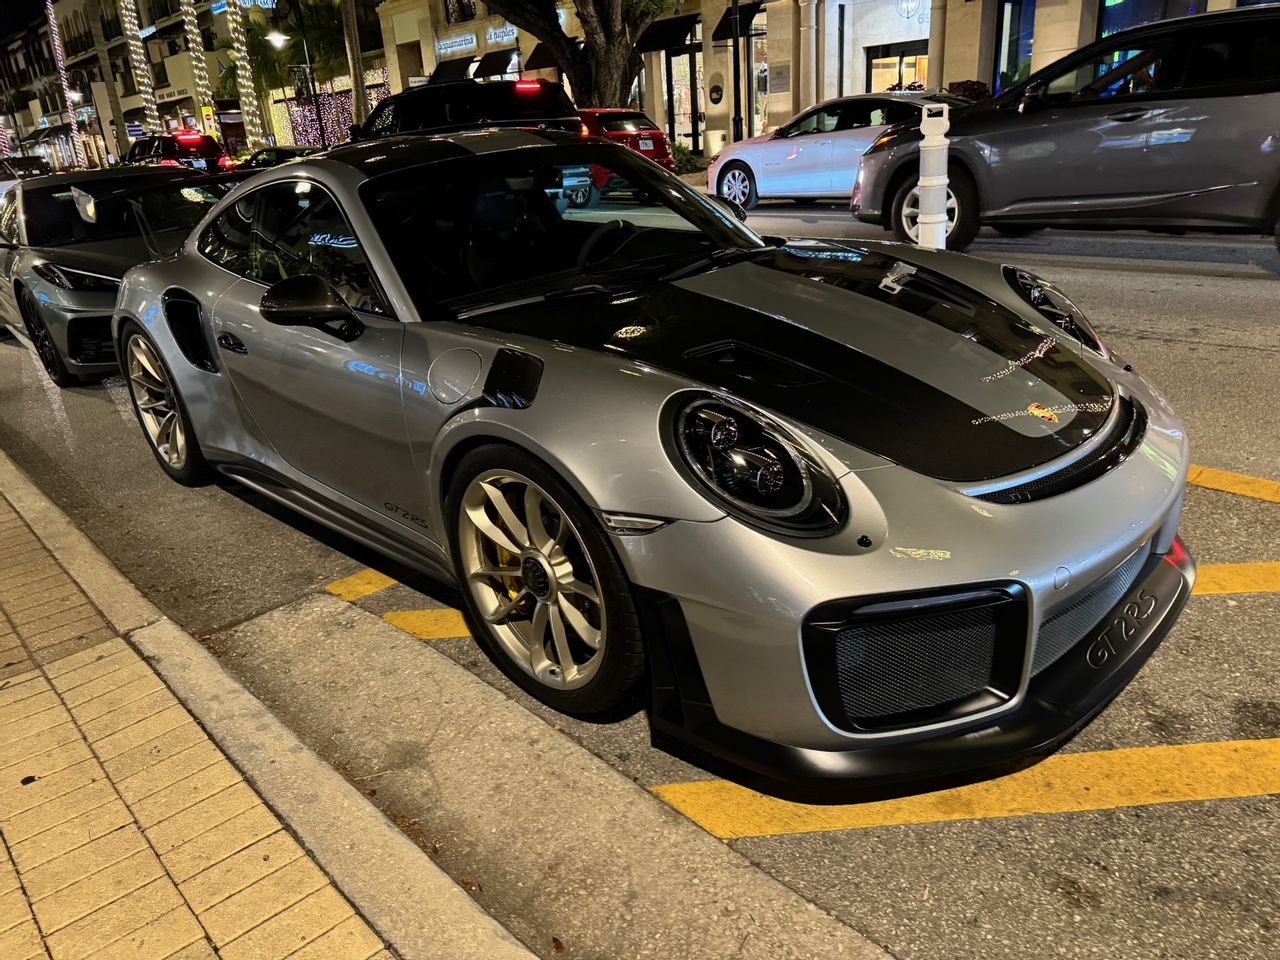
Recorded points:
(632,129)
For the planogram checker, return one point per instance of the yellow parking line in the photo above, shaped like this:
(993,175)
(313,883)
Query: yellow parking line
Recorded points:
(1216,578)
(1066,783)
(443,624)
(1238,483)
(359,585)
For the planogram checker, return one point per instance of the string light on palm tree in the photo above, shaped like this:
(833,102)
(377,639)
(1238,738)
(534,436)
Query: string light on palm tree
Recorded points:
(199,66)
(141,65)
(55,40)
(244,75)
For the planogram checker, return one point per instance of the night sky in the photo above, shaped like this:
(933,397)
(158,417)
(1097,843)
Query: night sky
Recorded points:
(16,13)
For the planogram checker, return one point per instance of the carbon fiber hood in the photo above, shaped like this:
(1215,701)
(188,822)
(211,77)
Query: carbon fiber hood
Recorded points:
(893,357)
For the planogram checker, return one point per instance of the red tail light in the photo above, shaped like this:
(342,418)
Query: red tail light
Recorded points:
(528,86)
(225,162)
(188,137)
(170,163)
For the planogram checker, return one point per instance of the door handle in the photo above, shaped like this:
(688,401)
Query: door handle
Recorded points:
(232,343)
(822,143)
(1127,116)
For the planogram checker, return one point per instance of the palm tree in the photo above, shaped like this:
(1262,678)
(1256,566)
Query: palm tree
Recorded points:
(13,102)
(94,12)
(355,62)
(265,65)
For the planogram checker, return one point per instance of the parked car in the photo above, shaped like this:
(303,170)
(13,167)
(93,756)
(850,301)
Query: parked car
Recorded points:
(626,434)
(65,241)
(631,128)
(271,156)
(469,105)
(1168,126)
(13,169)
(199,151)
(814,154)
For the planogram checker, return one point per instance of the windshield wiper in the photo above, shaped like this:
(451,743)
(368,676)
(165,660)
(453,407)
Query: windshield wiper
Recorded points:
(716,258)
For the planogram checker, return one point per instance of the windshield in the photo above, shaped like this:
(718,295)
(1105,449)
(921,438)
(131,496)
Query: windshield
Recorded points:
(626,122)
(528,222)
(169,210)
(23,167)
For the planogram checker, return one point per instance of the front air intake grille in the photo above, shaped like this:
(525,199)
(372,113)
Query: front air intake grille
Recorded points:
(89,340)
(1120,441)
(1064,629)
(909,660)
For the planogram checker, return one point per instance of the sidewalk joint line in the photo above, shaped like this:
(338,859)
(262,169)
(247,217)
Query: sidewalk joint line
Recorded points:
(174,783)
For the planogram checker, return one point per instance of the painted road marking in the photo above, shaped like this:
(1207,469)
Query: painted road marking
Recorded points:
(1065,783)
(439,624)
(1219,578)
(1237,483)
(359,585)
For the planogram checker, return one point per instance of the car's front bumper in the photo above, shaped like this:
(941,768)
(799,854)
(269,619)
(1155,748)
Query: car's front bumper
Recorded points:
(80,324)
(1056,704)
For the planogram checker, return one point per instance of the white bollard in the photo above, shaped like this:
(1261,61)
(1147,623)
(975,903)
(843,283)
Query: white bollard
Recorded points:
(932,191)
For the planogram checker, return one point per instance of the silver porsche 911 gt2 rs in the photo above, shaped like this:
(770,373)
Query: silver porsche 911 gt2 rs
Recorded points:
(836,510)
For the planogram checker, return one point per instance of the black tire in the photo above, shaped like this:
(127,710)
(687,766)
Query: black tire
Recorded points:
(42,340)
(195,470)
(967,221)
(752,196)
(585,198)
(1014,230)
(617,687)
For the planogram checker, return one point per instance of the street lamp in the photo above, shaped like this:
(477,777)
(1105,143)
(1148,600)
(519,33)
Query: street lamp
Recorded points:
(277,39)
(284,11)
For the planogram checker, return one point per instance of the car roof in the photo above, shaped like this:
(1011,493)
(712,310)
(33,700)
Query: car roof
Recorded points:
(375,157)
(96,177)
(609,110)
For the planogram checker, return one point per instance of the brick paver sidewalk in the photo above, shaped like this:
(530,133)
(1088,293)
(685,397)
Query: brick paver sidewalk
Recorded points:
(126,832)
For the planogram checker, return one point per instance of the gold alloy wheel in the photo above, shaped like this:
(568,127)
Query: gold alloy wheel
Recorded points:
(157,407)
(532,579)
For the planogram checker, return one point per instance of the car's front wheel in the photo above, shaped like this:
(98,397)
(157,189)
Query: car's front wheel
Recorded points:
(42,340)
(545,594)
(962,210)
(738,183)
(160,411)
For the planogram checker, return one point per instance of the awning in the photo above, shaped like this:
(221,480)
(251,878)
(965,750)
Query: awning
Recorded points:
(455,69)
(746,13)
(668,33)
(136,115)
(34,135)
(495,63)
(52,133)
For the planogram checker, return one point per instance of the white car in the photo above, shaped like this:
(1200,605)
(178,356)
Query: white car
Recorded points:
(815,153)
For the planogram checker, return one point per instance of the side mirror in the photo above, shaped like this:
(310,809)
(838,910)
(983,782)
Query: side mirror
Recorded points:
(310,301)
(735,208)
(356,131)
(1032,98)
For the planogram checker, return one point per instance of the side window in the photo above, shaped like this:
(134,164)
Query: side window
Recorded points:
(860,113)
(299,229)
(899,111)
(227,240)
(383,121)
(823,120)
(9,216)
(1126,71)
(1244,55)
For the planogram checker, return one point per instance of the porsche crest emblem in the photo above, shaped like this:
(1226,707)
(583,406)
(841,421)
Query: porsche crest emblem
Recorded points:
(1043,412)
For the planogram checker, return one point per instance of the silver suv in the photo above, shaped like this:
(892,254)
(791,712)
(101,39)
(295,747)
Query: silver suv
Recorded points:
(1169,126)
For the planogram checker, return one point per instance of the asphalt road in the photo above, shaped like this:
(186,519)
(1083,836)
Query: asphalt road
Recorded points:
(1185,880)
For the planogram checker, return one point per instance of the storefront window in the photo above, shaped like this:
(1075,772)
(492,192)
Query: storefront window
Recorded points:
(1117,15)
(1017,20)
(898,66)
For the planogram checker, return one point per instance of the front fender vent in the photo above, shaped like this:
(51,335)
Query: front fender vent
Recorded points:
(1121,440)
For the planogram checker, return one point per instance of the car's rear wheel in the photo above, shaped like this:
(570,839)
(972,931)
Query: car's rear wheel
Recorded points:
(962,210)
(585,197)
(547,599)
(738,183)
(161,412)
(42,340)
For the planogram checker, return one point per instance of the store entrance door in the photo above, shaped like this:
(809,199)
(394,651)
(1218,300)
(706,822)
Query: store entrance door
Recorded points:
(897,65)
(684,94)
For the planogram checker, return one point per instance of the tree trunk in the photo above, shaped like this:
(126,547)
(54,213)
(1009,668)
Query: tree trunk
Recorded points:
(355,63)
(94,12)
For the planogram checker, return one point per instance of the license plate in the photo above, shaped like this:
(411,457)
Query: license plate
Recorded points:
(646,145)
(198,164)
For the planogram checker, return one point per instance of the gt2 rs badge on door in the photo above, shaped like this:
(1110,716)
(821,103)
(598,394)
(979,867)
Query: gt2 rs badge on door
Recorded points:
(1117,634)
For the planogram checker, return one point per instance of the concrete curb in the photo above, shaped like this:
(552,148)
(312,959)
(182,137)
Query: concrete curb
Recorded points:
(411,902)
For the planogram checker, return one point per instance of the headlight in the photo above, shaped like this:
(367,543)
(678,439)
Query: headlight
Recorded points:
(69,279)
(756,469)
(1055,306)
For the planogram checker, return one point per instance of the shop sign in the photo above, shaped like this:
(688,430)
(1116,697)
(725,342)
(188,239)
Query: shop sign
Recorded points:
(780,78)
(449,46)
(221,5)
(503,34)
(173,93)
(134,129)
(146,31)
(209,120)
